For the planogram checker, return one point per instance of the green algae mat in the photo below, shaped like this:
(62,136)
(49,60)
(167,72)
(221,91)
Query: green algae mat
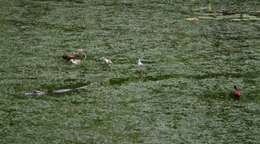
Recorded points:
(193,51)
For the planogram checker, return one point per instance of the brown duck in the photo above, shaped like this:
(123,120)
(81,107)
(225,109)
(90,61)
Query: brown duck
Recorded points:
(78,54)
(69,56)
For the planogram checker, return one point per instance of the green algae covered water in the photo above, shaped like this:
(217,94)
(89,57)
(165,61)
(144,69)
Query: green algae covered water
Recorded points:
(194,52)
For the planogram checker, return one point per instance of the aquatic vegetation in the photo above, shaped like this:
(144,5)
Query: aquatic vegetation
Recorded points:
(181,94)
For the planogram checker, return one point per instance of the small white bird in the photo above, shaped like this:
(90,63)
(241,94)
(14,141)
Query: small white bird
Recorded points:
(139,63)
(107,61)
(75,61)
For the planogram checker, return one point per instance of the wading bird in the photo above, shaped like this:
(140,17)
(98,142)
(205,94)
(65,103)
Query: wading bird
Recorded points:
(139,63)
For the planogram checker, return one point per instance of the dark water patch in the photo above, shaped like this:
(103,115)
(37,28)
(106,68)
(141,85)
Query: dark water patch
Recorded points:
(227,75)
(165,2)
(161,77)
(238,37)
(119,81)
(70,85)
(122,80)
(62,1)
(128,4)
(45,25)
(76,1)
(117,4)
(19,78)
(254,13)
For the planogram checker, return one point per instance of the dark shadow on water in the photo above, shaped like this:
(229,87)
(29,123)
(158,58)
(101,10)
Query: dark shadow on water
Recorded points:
(60,1)
(65,28)
(122,80)
(69,85)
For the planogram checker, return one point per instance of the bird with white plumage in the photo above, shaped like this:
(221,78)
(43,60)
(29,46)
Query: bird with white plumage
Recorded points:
(107,61)
(139,63)
(75,61)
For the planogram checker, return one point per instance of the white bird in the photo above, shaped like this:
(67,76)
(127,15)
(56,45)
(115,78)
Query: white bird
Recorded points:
(107,61)
(75,61)
(139,63)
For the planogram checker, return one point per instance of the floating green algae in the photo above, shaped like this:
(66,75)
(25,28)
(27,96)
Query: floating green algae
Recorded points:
(181,95)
